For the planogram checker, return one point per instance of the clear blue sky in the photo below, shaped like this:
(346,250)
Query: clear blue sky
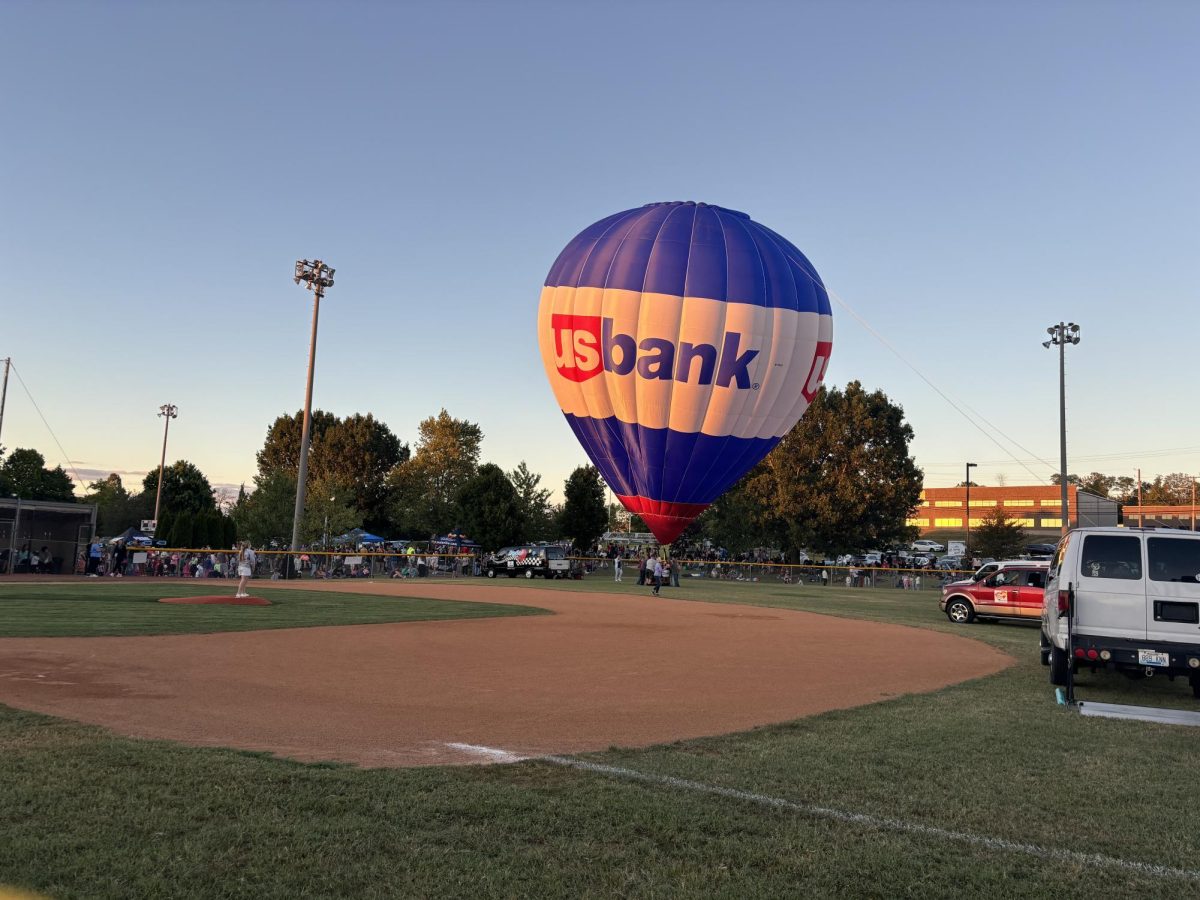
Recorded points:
(961,174)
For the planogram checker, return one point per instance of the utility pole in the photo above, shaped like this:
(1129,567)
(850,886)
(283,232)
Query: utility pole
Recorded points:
(4,390)
(970,466)
(1141,509)
(1193,503)
(316,277)
(168,412)
(1062,334)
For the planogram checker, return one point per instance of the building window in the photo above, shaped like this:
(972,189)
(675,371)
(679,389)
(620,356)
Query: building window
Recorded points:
(1024,523)
(1052,523)
(975,523)
(949,503)
(919,523)
(1057,502)
(983,502)
(947,523)
(1018,503)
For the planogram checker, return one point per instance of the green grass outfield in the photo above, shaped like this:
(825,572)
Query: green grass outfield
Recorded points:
(87,814)
(131,607)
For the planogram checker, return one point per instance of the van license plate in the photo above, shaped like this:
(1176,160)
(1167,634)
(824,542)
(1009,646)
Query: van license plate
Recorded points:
(1153,658)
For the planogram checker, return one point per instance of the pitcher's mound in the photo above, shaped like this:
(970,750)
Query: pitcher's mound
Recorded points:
(219,598)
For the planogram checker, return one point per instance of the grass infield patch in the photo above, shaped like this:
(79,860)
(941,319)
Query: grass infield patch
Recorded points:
(88,609)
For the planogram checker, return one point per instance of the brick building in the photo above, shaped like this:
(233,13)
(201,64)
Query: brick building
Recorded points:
(1033,507)
(1184,516)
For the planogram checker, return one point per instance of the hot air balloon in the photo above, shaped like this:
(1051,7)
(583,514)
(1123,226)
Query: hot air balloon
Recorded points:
(682,342)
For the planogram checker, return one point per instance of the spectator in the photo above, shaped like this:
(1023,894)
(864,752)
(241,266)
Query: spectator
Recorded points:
(119,558)
(95,551)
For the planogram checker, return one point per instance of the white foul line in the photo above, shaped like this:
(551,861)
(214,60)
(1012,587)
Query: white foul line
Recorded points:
(853,818)
(500,756)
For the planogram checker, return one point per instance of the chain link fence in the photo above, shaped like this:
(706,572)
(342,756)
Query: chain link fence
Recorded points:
(313,564)
(784,573)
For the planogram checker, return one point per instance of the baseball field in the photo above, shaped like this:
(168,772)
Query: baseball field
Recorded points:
(574,739)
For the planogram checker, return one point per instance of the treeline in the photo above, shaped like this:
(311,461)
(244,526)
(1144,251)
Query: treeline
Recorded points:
(840,480)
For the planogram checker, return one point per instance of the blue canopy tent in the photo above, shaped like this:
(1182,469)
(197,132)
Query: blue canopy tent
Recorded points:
(358,536)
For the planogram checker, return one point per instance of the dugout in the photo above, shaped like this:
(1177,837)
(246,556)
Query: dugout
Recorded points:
(26,526)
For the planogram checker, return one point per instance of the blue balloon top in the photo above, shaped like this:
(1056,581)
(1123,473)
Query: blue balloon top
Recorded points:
(688,249)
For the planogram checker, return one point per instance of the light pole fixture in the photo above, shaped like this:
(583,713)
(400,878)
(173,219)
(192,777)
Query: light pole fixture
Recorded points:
(316,277)
(1062,334)
(970,466)
(167,412)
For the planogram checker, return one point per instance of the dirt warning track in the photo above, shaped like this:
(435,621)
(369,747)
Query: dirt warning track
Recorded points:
(604,670)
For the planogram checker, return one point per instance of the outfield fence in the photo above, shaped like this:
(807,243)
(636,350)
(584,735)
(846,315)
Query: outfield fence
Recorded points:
(320,564)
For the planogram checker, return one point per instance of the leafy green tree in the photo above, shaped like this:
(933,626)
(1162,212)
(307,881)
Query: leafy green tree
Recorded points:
(424,488)
(329,510)
(359,451)
(998,536)
(1170,490)
(732,522)
(584,517)
(842,479)
(492,511)
(116,508)
(165,523)
(24,473)
(185,489)
(536,512)
(264,518)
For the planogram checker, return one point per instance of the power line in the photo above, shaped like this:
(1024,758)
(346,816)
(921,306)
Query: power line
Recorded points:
(863,322)
(66,458)
(1099,457)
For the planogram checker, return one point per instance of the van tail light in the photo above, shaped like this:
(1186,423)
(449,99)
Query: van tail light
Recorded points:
(1064,602)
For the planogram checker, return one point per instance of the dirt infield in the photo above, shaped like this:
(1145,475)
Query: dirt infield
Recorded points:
(606,669)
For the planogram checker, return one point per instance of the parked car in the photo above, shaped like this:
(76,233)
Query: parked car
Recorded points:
(1124,599)
(924,546)
(530,561)
(1013,592)
(950,563)
(989,565)
(1040,550)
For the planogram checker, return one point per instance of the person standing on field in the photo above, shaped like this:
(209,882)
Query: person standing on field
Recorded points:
(245,567)
(656,569)
(617,566)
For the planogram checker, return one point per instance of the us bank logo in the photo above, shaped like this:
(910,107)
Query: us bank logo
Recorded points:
(585,346)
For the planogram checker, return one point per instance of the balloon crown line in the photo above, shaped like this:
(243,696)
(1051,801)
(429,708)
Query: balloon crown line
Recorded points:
(732,212)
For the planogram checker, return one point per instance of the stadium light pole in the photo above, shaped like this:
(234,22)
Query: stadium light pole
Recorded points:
(167,411)
(316,277)
(1062,334)
(970,466)
(4,389)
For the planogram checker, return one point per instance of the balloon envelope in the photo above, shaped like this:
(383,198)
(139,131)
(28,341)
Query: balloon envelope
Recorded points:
(682,342)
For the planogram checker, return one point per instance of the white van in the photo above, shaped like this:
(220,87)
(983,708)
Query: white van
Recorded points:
(1132,598)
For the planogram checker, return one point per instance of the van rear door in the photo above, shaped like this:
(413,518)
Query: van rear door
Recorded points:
(1173,588)
(1110,589)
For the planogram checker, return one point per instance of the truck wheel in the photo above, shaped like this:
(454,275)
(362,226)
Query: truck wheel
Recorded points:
(960,611)
(491,573)
(1044,649)
(1058,666)
(529,573)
